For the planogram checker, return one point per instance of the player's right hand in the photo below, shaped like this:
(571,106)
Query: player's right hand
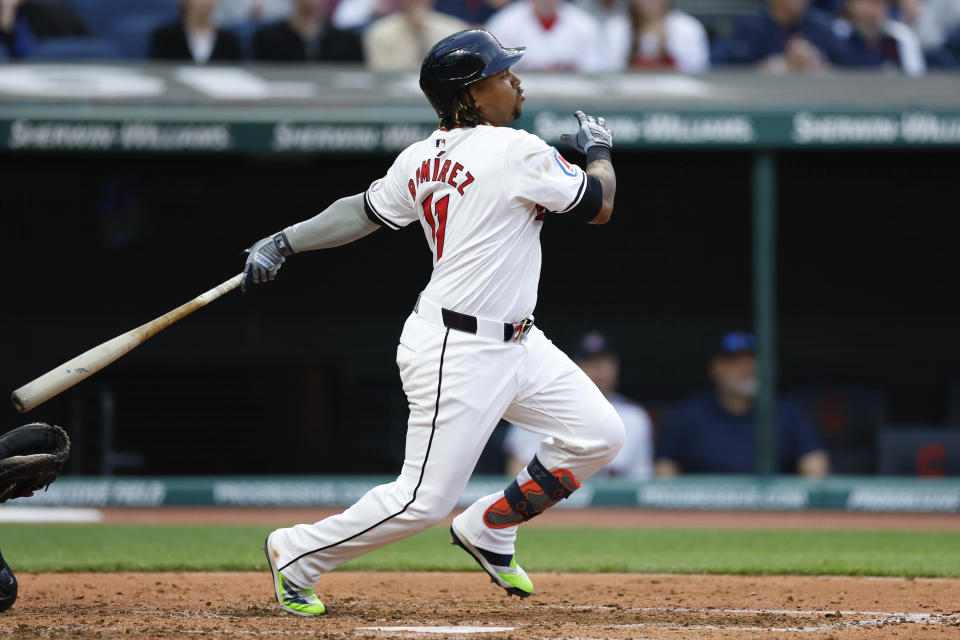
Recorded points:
(264,259)
(591,132)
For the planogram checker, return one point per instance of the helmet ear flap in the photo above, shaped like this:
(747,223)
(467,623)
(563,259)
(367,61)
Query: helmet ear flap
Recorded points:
(441,111)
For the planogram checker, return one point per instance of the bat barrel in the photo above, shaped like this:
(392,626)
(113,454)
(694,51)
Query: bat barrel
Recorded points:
(69,373)
(18,402)
(73,371)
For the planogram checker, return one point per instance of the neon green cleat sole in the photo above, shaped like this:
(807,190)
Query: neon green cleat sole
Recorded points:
(503,570)
(291,597)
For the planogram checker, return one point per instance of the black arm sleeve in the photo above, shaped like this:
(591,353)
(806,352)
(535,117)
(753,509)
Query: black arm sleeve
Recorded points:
(591,202)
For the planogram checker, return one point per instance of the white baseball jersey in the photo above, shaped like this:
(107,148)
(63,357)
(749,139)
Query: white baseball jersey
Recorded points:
(480,195)
(569,43)
(685,41)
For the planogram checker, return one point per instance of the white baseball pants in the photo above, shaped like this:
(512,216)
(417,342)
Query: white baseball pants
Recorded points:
(458,386)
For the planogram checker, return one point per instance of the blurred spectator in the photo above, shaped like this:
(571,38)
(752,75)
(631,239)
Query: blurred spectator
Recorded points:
(400,41)
(937,24)
(306,36)
(908,11)
(474,12)
(875,40)
(559,36)
(827,6)
(356,15)
(598,360)
(194,36)
(233,12)
(714,432)
(655,36)
(603,10)
(787,35)
(23,23)
(613,22)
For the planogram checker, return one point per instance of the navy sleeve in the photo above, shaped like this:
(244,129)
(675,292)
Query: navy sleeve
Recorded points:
(801,432)
(670,436)
(747,44)
(818,28)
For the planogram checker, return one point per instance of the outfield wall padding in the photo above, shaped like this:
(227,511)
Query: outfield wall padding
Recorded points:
(704,492)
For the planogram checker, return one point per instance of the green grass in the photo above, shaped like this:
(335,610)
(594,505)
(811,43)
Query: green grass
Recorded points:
(228,548)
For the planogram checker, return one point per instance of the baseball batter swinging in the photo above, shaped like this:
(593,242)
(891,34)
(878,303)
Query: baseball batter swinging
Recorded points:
(469,353)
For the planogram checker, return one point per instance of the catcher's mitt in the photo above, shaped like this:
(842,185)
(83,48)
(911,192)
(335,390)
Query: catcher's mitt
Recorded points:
(31,456)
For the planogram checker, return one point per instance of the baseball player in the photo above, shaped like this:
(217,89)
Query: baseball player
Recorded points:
(469,352)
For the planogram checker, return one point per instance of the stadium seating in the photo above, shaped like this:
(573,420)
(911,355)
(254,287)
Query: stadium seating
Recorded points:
(919,451)
(75,49)
(100,15)
(4,56)
(848,420)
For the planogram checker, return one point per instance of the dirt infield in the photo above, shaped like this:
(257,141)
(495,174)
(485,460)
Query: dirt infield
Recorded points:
(437,605)
(394,605)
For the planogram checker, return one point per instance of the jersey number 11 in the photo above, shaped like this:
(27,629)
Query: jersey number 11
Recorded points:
(438,227)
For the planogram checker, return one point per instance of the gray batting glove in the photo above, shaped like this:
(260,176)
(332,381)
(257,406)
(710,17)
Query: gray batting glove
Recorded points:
(592,133)
(264,259)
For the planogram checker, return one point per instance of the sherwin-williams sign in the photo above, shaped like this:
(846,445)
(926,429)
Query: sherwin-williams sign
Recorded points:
(632,130)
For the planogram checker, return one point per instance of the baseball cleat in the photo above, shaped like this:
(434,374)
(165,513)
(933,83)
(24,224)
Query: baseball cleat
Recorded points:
(502,569)
(291,597)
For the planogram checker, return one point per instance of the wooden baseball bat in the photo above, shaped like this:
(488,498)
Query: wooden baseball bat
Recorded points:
(89,362)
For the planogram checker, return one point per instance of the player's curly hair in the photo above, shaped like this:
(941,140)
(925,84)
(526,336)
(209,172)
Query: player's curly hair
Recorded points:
(463,112)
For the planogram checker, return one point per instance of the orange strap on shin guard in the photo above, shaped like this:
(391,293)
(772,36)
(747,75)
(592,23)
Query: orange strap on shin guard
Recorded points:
(520,503)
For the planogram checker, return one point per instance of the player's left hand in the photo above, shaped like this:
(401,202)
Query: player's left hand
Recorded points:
(264,259)
(592,132)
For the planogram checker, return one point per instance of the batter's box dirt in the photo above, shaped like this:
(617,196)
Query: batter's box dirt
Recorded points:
(465,605)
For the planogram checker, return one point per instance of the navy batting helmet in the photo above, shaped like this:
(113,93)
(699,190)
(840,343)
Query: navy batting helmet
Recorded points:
(458,61)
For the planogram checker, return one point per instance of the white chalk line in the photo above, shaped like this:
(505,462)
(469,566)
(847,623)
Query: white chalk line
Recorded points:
(913,616)
(889,616)
(835,626)
(453,629)
(27,515)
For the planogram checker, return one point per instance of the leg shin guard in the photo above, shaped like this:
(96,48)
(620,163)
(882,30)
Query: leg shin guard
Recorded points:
(520,503)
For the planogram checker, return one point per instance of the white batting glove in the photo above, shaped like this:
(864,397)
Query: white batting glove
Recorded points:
(592,133)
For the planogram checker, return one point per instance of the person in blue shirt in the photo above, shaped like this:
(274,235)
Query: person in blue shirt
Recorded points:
(875,40)
(714,432)
(787,35)
(25,23)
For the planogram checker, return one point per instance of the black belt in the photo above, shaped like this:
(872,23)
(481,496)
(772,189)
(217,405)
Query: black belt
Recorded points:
(468,324)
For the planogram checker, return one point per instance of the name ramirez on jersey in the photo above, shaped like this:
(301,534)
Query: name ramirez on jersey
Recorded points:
(478,194)
(439,174)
